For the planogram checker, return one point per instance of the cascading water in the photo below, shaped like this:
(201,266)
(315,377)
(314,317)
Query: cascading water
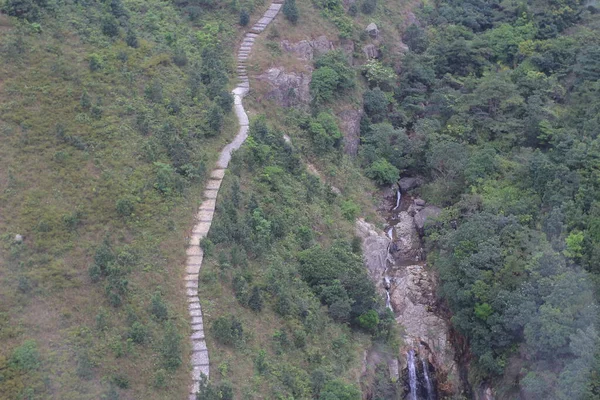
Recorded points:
(388,303)
(398,197)
(412,375)
(429,387)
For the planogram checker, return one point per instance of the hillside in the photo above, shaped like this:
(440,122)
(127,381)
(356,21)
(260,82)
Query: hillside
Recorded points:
(113,116)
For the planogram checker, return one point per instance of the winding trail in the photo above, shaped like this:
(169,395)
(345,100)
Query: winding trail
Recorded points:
(199,358)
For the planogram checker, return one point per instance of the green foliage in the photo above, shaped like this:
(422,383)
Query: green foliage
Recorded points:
(171,348)
(138,333)
(255,301)
(244,17)
(158,308)
(332,76)
(368,6)
(383,172)
(228,331)
(125,207)
(290,11)
(26,357)
(30,10)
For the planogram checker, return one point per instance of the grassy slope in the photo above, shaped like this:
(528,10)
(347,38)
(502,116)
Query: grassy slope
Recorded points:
(61,194)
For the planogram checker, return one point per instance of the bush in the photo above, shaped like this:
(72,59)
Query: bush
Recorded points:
(131,39)
(290,11)
(124,207)
(158,308)
(180,57)
(26,357)
(255,302)
(350,210)
(244,17)
(383,172)
(96,62)
(323,84)
(375,103)
(227,330)
(368,6)
(26,9)
(171,348)
(369,320)
(138,333)
(110,27)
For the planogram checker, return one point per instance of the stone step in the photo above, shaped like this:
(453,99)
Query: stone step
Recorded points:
(197,327)
(199,345)
(200,358)
(208,205)
(193,299)
(197,320)
(194,306)
(194,250)
(191,292)
(198,335)
(205,216)
(201,228)
(218,173)
(193,269)
(198,371)
(191,277)
(195,313)
(195,260)
(191,284)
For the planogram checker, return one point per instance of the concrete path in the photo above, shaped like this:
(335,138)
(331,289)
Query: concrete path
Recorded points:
(199,358)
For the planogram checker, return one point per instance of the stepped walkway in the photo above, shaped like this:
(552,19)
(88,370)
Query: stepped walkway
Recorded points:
(200,360)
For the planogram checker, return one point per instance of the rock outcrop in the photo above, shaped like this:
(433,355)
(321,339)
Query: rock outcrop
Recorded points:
(288,89)
(350,127)
(427,213)
(308,49)
(411,289)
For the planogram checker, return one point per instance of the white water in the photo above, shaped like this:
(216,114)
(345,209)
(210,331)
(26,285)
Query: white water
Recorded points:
(427,380)
(412,375)
(390,233)
(388,303)
(398,197)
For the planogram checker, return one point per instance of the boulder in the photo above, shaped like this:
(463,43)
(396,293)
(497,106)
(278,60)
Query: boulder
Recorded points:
(350,127)
(372,30)
(18,238)
(426,213)
(409,183)
(419,202)
(287,89)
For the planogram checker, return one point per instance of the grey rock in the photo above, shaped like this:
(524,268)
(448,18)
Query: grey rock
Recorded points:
(371,51)
(425,214)
(373,30)
(407,243)
(410,183)
(308,49)
(419,202)
(288,89)
(411,19)
(350,127)
(18,238)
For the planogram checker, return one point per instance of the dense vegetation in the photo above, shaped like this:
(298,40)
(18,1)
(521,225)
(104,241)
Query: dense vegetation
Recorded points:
(496,103)
(282,250)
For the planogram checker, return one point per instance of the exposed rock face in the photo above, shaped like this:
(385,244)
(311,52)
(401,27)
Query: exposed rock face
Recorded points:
(375,249)
(371,51)
(350,127)
(412,297)
(407,244)
(287,89)
(428,212)
(308,49)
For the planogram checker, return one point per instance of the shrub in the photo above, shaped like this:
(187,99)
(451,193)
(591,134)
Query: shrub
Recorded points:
(383,172)
(110,27)
(255,302)
(124,207)
(353,10)
(290,11)
(26,357)
(171,348)
(180,57)
(215,120)
(350,210)
(369,320)
(158,308)
(227,330)
(138,333)
(323,84)
(368,6)
(131,39)
(244,17)
(96,62)
(375,103)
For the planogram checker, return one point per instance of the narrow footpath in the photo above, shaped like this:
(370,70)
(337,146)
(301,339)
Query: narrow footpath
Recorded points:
(199,359)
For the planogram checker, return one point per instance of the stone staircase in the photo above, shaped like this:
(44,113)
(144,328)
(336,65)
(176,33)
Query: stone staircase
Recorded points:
(199,359)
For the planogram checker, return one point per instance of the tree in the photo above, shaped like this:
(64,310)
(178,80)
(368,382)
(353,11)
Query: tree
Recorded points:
(338,390)
(290,11)
(131,39)
(28,9)
(244,17)
(255,302)
(323,84)
(368,6)
(375,103)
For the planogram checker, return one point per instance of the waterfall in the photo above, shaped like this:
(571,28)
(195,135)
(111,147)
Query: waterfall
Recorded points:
(388,303)
(398,197)
(412,375)
(390,233)
(430,395)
